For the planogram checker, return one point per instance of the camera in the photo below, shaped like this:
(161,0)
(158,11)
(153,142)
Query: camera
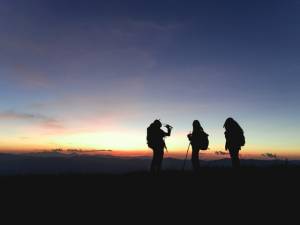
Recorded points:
(168,126)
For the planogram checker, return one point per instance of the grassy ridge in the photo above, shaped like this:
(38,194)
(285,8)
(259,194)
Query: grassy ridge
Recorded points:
(217,192)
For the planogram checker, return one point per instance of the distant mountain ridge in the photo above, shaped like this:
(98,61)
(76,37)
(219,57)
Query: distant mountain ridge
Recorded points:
(61,163)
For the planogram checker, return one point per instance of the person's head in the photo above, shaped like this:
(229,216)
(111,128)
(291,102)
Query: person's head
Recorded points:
(157,124)
(230,124)
(197,126)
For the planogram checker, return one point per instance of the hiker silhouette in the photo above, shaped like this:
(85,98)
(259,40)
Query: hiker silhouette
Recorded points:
(235,139)
(199,141)
(155,141)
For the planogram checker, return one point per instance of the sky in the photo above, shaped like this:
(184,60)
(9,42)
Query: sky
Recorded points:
(94,74)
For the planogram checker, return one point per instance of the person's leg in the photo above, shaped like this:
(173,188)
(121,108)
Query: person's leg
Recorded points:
(160,156)
(195,160)
(234,154)
(154,161)
(237,163)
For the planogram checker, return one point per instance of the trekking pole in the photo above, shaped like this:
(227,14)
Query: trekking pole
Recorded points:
(187,152)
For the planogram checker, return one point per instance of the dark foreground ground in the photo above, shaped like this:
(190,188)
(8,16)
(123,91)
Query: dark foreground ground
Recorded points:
(251,194)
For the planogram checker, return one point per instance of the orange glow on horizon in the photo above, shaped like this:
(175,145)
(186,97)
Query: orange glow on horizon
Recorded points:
(209,154)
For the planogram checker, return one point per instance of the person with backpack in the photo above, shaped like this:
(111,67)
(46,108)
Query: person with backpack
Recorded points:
(155,141)
(235,139)
(199,141)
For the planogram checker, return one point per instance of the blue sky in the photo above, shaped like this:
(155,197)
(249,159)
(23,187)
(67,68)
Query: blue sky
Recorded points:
(84,68)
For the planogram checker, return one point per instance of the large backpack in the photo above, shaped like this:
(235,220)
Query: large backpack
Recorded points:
(204,142)
(150,137)
(242,139)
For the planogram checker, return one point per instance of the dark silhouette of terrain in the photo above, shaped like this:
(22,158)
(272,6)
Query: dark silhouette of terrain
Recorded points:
(60,163)
(110,188)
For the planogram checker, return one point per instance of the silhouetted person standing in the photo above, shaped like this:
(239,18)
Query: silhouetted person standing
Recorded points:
(235,139)
(199,141)
(155,141)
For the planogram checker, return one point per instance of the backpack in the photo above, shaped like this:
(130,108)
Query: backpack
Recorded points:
(242,139)
(204,142)
(150,138)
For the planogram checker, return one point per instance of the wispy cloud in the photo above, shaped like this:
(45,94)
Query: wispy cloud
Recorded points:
(12,115)
(27,76)
(31,77)
(154,26)
(24,138)
(221,153)
(44,122)
(270,155)
(53,126)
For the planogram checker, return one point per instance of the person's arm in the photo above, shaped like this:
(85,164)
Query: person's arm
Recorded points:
(190,136)
(167,133)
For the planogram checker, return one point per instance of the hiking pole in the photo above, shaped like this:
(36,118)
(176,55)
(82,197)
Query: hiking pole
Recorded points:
(166,149)
(187,152)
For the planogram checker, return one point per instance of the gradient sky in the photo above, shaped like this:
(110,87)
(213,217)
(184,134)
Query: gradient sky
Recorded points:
(94,74)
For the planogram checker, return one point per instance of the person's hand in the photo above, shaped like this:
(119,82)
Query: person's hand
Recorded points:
(169,127)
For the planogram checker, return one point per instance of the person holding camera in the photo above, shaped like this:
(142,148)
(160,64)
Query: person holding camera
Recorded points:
(155,141)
